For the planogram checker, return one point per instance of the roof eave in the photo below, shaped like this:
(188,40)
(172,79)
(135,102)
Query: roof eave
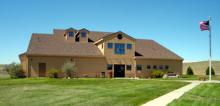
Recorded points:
(136,57)
(31,54)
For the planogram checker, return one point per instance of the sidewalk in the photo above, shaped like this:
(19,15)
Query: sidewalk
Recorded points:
(169,97)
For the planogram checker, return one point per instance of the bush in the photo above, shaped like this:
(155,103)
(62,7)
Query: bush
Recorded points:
(212,71)
(15,70)
(69,69)
(53,73)
(157,74)
(189,71)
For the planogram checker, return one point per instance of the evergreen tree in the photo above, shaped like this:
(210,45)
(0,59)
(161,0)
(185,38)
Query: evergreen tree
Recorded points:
(189,71)
(212,71)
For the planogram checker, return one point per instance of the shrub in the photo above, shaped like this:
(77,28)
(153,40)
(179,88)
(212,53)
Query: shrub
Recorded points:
(15,70)
(69,69)
(189,71)
(53,73)
(157,74)
(212,71)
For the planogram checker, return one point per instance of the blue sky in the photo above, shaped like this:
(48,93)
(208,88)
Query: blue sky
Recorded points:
(172,23)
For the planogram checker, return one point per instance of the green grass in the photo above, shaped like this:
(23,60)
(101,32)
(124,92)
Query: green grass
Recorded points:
(202,95)
(196,77)
(193,77)
(82,92)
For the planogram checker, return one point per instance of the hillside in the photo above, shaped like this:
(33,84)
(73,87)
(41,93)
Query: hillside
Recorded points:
(200,67)
(1,66)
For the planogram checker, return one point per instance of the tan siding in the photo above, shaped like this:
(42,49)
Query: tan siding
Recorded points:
(124,40)
(24,63)
(85,65)
(174,65)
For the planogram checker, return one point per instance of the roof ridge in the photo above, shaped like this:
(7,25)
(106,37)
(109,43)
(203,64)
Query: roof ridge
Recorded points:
(145,39)
(87,29)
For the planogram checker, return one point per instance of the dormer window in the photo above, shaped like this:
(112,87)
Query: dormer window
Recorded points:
(71,34)
(83,34)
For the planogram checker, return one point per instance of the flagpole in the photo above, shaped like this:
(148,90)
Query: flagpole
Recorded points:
(210,50)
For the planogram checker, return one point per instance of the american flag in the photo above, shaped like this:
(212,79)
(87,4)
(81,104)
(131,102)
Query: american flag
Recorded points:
(204,25)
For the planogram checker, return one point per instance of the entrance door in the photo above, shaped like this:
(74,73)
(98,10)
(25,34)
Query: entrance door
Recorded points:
(119,70)
(42,69)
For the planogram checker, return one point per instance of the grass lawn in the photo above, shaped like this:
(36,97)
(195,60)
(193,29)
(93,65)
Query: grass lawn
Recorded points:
(202,95)
(194,77)
(82,92)
(3,74)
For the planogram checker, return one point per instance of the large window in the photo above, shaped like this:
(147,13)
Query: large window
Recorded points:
(110,45)
(119,48)
(83,34)
(128,67)
(109,66)
(129,46)
(138,67)
(70,34)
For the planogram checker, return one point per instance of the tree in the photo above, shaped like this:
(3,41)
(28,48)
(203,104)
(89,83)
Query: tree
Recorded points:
(69,69)
(189,71)
(212,71)
(15,70)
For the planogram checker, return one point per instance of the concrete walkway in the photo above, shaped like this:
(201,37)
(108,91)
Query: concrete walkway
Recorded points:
(169,97)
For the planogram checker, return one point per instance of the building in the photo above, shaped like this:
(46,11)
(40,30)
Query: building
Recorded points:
(96,54)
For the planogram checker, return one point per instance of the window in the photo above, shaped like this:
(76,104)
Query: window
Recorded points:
(119,36)
(129,46)
(128,67)
(154,67)
(71,34)
(161,67)
(110,45)
(138,67)
(109,66)
(148,67)
(83,34)
(119,48)
(166,67)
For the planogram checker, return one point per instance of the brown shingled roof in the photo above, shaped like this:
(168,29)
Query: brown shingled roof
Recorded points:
(152,50)
(47,44)
(41,44)
(95,35)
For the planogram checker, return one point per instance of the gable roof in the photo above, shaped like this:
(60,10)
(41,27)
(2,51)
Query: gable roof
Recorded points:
(114,34)
(153,50)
